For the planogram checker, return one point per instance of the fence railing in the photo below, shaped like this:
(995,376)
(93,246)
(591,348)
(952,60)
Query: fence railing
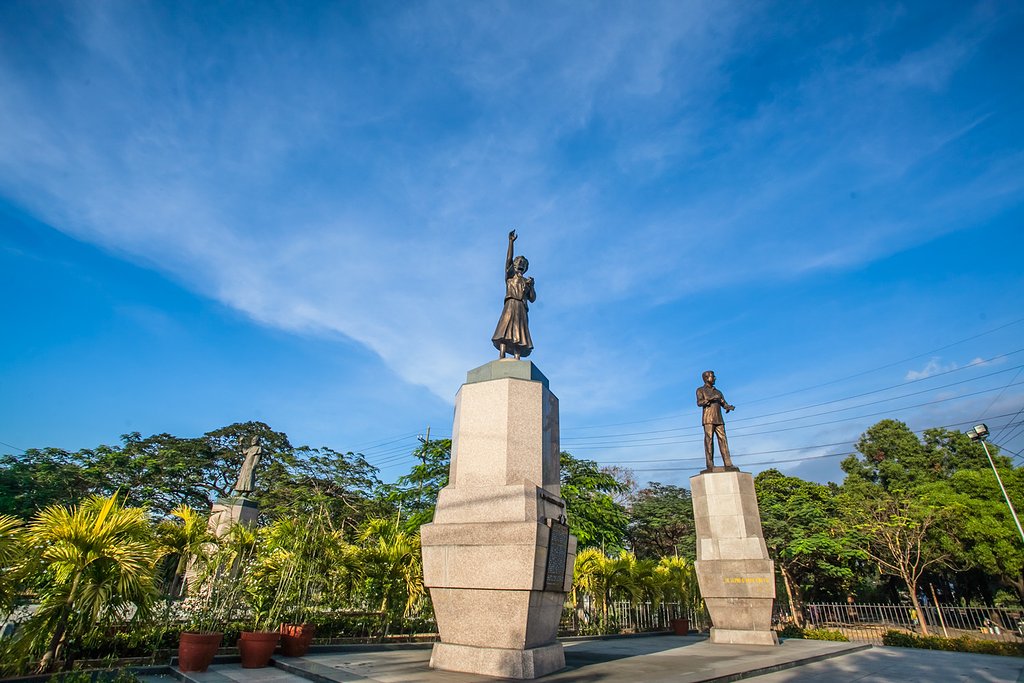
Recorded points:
(867,622)
(589,618)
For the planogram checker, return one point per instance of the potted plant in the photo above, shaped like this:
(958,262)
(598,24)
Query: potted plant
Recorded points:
(212,602)
(266,582)
(680,585)
(316,552)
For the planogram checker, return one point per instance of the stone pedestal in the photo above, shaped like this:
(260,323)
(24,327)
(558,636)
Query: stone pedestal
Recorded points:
(498,557)
(737,580)
(227,512)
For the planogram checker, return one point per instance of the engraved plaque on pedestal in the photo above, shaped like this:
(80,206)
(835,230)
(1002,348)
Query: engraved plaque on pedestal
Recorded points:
(558,552)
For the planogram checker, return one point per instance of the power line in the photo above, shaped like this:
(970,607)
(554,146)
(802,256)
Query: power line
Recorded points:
(838,400)
(10,445)
(996,399)
(748,464)
(386,443)
(835,381)
(785,429)
(780,450)
(695,429)
(889,365)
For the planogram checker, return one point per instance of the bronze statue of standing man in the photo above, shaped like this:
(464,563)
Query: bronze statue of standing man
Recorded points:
(246,483)
(512,335)
(711,400)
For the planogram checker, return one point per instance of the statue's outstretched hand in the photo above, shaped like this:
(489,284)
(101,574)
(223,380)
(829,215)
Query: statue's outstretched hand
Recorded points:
(729,408)
(512,236)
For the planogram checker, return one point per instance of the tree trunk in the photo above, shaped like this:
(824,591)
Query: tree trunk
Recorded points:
(794,606)
(49,659)
(912,586)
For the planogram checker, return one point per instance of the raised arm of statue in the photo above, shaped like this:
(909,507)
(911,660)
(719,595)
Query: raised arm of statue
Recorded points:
(509,272)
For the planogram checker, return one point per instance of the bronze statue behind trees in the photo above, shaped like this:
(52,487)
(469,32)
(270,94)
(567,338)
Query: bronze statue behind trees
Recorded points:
(512,335)
(711,400)
(247,476)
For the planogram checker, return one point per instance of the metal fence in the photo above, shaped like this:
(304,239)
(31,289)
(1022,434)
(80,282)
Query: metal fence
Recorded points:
(588,618)
(867,622)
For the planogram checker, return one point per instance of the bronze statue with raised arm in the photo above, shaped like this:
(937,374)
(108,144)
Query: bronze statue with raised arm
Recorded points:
(711,400)
(512,335)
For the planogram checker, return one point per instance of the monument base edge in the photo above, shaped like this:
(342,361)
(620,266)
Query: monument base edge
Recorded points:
(743,637)
(499,662)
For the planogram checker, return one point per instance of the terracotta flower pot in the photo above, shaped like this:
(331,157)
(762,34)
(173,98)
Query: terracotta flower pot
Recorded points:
(196,650)
(681,627)
(296,639)
(256,648)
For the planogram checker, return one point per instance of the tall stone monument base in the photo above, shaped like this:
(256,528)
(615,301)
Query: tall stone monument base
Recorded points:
(498,556)
(499,662)
(227,512)
(737,580)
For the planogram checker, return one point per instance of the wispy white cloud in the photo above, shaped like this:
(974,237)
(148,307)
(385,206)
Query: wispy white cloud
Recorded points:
(360,183)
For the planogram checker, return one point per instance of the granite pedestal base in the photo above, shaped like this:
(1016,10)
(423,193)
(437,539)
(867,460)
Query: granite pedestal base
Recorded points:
(227,512)
(530,663)
(498,557)
(737,580)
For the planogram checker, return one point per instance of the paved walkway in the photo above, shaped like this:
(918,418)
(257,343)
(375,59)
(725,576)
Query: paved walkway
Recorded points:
(657,659)
(904,665)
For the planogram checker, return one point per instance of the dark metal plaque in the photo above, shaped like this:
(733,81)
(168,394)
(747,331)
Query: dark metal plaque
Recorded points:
(558,553)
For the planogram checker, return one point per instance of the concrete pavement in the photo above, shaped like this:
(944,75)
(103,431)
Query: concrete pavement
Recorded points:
(649,659)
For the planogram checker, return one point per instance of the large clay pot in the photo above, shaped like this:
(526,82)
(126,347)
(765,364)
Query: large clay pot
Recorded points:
(196,650)
(681,627)
(256,648)
(296,639)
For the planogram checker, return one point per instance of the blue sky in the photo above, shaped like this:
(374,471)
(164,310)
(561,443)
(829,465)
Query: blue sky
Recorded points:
(296,213)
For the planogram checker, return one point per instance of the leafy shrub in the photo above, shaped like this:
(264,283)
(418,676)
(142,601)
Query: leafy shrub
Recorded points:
(72,677)
(794,631)
(124,642)
(825,634)
(791,631)
(962,644)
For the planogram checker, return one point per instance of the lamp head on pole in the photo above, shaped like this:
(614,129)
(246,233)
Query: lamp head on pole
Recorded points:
(978,432)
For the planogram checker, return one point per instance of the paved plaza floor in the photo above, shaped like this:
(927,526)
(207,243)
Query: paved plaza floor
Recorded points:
(652,659)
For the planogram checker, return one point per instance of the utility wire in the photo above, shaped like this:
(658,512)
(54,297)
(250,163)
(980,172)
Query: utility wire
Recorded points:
(838,400)
(619,461)
(818,414)
(889,365)
(9,445)
(830,382)
(748,464)
(668,440)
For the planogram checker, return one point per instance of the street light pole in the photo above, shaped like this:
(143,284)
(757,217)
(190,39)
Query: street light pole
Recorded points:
(978,434)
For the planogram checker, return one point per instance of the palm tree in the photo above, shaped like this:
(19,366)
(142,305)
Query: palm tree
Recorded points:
(98,559)
(188,541)
(679,584)
(11,553)
(391,567)
(605,579)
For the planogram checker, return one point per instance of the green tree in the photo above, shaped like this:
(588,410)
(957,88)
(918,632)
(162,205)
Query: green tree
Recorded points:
(989,541)
(42,477)
(415,494)
(184,541)
(903,535)
(315,481)
(12,550)
(391,566)
(589,493)
(892,457)
(661,522)
(96,563)
(804,535)
(678,580)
